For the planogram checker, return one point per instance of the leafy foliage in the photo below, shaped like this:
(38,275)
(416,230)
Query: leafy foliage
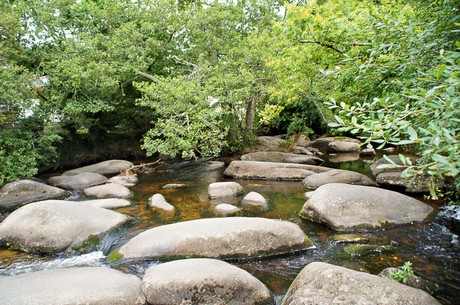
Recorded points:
(404,273)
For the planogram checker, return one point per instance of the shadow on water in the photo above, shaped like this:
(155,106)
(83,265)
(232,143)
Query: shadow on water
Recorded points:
(431,247)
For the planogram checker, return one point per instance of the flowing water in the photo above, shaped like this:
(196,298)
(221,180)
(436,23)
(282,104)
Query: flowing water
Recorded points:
(431,247)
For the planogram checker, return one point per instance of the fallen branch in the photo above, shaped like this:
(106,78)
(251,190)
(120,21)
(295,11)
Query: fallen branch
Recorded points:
(143,167)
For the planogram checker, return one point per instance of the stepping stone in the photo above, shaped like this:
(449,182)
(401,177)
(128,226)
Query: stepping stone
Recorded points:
(227,209)
(232,237)
(108,190)
(322,283)
(55,225)
(125,180)
(78,181)
(271,170)
(255,199)
(337,176)
(224,189)
(19,193)
(110,167)
(203,281)
(349,207)
(158,202)
(108,203)
(85,285)
(273,156)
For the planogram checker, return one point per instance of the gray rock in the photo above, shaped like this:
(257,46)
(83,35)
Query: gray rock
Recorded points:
(359,250)
(224,189)
(131,180)
(158,202)
(108,203)
(271,170)
(108,190)
(302,140)
(302,150)
(343,157)
(322,283)
(417,184)
(343,147)
(412,280)
(350,239)
(85,285)
(203,281)
(78,181)
(16,194)
(347,207)
(227,209)
(368,152)
(109,167)
(232,237)
(56,225)
(395,158)
(337,176)
(273,156)
(267,143)
(323,143)
(174,186)
(255,200)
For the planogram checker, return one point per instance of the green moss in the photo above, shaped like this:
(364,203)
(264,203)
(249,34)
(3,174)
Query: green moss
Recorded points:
(88,244)
(114,256)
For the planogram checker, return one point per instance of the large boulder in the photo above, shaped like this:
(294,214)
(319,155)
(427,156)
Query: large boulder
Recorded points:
(224,189)
(322,283)
(108,190)
(56,225)
(273,156)
(268,143)
(235,237)
(16,194)
(323,143)
(347,207)
(343,147)
(72,286)
(110,167)
(271,170)
(203,281)
(78,181)
(337,176)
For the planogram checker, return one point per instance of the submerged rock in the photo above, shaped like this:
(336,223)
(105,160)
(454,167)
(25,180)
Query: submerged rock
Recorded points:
(109,167)
(224,189)
(56,225)
(19,193)
(350,239)
(78,181)
(363,250)
(170,186)
(84,285)
(203,281)
(108,190)
(272,156)
(271,170)
(322,283)
(347,207)
(337,176)
(233,237)
(158,202)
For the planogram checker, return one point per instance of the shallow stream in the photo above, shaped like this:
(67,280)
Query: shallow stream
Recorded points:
(431,247)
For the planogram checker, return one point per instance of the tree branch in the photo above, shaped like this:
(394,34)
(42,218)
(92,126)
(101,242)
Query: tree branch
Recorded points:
(323,44)
(146,75)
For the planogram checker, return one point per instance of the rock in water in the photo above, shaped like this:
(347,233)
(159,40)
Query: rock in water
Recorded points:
(55,225)
(78,181)
(271,170)
(337,176)
(85,285)
(234,237)
(255,199)
(321,283)
(109,167)
(108,190)
(19,193)
(273,156)
(108,203)
(159,202)
(346,207)
(227,209)
(224,189)
(203,281)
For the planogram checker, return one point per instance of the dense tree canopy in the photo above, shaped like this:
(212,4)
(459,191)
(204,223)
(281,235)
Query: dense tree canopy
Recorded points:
(200,77)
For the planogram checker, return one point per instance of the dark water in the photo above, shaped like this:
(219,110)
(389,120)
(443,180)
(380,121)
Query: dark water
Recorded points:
(431,247)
